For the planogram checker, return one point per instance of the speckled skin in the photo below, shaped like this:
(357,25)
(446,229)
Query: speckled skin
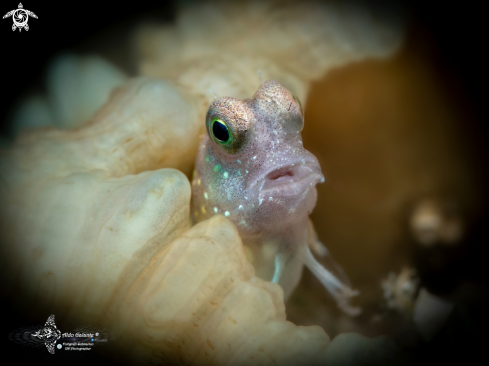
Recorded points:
(265,183)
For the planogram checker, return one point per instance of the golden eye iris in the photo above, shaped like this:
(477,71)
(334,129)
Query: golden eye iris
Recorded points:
(229,135)
(221,132)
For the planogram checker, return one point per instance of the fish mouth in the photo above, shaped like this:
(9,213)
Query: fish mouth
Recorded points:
(291,179)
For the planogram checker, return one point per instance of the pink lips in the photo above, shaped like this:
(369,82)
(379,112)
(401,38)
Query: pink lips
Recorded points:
(292,178)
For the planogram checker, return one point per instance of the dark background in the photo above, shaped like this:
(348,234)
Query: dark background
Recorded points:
(458,34)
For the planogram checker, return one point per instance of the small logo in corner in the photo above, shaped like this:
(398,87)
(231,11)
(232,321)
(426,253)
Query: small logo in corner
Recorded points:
(49,334)
(20,17)
(81,339)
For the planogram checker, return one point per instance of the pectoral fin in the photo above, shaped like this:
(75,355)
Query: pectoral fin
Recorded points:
(332,277)
(280,259)
(321,251)
(342,292)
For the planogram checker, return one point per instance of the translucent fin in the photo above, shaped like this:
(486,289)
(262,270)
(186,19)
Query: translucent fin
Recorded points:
(313,242)
(341,291)
(280,260)
(327,260)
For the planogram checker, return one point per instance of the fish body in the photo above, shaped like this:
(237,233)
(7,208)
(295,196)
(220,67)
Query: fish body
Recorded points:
(252,168)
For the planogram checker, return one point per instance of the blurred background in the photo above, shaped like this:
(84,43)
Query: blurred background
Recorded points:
(402,143)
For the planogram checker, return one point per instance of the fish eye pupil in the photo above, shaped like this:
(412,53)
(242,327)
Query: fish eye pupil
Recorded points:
(220,131)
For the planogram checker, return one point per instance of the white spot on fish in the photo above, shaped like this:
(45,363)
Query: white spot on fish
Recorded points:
(239,161)
(215,209)
(254,157)
(206,196)
(225,175)
(270,198)
(240,207)
(226,213)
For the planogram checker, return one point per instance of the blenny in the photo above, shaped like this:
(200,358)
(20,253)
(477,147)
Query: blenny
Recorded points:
(252,168)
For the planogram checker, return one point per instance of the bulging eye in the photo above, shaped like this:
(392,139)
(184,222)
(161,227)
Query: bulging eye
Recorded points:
(221,132)
(227,136)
